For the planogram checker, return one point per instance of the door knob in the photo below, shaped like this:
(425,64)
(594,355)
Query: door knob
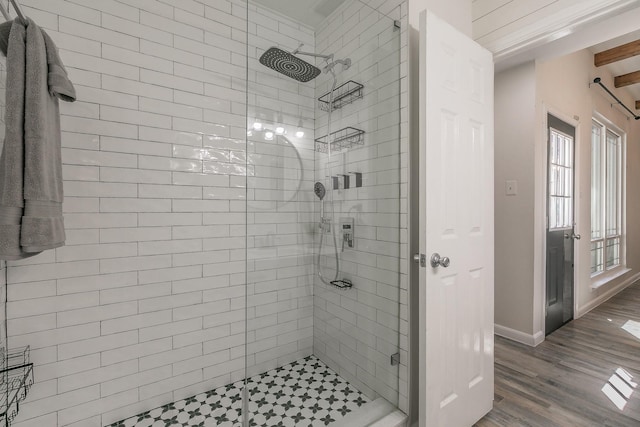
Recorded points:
(576,236)
(438,261)
(420,259)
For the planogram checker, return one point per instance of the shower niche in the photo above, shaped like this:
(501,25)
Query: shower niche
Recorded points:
(323,301)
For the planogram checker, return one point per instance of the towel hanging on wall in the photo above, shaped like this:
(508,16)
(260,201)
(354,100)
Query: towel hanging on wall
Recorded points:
(31,190)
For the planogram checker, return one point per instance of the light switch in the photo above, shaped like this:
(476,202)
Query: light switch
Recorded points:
(511,188)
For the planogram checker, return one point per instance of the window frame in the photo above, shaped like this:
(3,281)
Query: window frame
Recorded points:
(606,274)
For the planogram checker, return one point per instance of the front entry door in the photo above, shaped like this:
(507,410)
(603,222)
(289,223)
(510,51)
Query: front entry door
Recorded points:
(456,222)
(560,223)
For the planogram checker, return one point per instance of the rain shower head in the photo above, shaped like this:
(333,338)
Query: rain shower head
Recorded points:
(319,189)
(289,65)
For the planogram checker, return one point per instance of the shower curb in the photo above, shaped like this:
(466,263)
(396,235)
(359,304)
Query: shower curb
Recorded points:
(378,413)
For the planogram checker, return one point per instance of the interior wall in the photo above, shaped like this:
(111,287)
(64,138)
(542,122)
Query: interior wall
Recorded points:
(145,303)
(563,84)
(515,121)
(3,264)
(357,330)
(523,95)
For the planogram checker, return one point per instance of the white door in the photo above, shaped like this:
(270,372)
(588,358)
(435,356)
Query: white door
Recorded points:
(456,222)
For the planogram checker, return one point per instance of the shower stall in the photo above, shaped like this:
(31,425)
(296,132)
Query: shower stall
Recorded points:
(323,214)
(235,206)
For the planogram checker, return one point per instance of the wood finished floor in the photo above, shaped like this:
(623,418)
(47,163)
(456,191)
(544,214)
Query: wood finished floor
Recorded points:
(560,382)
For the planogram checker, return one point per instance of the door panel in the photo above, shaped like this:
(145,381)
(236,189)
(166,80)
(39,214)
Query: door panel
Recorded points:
(456,221)
(561,225)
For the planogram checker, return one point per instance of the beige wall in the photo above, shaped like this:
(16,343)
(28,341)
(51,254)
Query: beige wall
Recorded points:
(514,149)
(523,96)
(563,87)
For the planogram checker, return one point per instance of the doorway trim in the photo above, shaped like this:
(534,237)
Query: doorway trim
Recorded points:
(540,223)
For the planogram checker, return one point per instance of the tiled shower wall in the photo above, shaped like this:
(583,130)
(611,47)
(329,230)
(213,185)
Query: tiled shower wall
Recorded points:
(357,330)
(146,302)
(3,271)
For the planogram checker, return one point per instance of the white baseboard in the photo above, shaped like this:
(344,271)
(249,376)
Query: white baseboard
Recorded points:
(581,311)
(519,336)
(538,337)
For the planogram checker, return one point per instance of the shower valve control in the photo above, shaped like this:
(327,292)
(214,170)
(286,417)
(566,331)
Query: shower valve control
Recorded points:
(346,229)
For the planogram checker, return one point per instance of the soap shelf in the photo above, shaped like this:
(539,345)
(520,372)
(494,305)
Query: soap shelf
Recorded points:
(342,139)
(16,380)
(344,94)
(342,284)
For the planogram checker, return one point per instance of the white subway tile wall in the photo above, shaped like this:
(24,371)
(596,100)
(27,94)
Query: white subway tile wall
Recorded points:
(146,303)
(357,330)
(3,266)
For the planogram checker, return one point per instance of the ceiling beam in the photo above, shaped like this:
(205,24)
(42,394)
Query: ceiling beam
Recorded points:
(617,53)
(627,79)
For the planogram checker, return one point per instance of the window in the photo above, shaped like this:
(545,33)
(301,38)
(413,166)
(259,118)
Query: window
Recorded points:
(560,180)
(606,198)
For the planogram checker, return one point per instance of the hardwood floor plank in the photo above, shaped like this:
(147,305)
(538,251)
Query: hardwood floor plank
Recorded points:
(561,382)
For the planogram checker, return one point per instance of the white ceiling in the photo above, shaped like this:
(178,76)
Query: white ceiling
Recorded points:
(308,12)
(626,65)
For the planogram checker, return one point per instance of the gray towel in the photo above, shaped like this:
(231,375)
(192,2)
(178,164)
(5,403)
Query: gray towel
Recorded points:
(12,159)
(59,84)
(35,191)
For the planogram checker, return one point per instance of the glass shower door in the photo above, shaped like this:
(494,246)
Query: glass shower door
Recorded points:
(323,163)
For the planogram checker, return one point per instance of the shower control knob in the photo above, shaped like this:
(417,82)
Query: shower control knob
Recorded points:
(438,261)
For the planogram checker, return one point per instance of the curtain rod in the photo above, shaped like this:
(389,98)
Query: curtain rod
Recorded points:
(598,80)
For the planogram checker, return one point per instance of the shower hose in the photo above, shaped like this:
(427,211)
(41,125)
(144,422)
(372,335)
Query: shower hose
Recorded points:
(333,211)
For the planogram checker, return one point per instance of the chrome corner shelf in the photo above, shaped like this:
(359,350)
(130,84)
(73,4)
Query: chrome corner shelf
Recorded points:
(342,139)
(16,380)
(344,94)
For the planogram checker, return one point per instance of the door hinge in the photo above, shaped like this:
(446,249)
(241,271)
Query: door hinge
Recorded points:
(395,359)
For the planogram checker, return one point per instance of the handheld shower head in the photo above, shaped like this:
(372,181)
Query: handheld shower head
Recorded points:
(319,189)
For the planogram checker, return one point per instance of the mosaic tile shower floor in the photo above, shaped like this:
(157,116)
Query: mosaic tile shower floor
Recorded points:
(301,394)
